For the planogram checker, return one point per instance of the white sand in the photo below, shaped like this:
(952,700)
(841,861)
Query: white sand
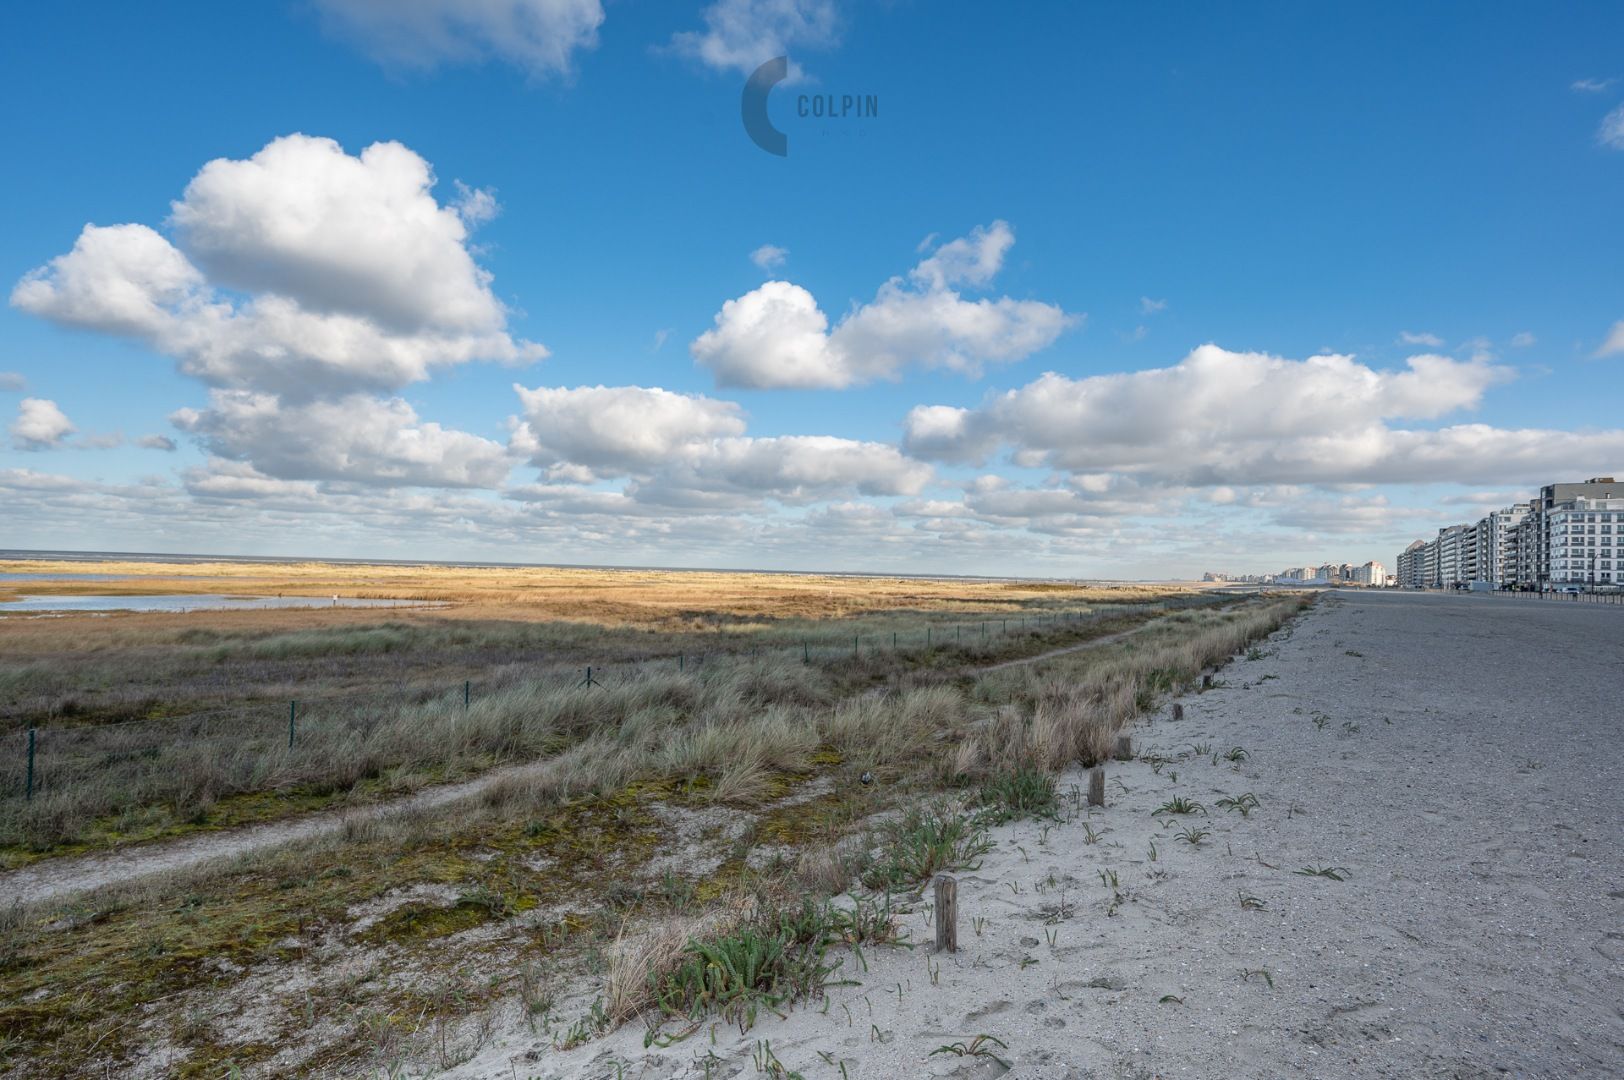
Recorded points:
(1467,773)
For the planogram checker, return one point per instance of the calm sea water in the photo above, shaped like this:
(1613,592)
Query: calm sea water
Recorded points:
(191,602)
(61,577)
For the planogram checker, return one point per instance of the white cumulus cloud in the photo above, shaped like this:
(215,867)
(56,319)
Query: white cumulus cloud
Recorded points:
(617,428)
(356,277)
(540,36)
(1221,418)
(691,450)
(777,336)
(300,282)
(359,438)
(1431,341)
(40,425)
(1611,131)
(1614,343)
(740,35)
(769,256)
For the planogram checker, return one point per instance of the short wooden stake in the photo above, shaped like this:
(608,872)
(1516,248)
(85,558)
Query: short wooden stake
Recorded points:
(1124,748)
(947,913)
(1206,682)
(1178,711)
(1096,786)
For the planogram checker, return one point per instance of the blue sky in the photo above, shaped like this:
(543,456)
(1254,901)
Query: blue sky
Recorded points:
(1101,291)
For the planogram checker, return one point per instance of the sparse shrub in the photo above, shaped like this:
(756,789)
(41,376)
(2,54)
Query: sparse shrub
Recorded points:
(1017,794)
(924,842)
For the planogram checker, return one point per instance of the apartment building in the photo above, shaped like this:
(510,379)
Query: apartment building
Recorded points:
(1501,547)
(1410,568)
(1457,555)
(1371,573)
(1570,536)
(1587,542)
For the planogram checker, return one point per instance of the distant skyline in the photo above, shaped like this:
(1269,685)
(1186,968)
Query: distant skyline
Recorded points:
(1114,293)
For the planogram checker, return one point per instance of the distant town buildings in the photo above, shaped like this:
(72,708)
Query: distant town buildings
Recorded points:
(1370,573)
(1561,540)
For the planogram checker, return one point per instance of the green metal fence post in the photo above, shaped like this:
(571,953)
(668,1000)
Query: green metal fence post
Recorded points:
(806,653)
(30,797)
(293,712)
(680,661)
(854,645)
(467,692)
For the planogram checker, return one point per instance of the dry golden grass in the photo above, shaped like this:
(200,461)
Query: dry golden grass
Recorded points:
(610,597)
(84,970)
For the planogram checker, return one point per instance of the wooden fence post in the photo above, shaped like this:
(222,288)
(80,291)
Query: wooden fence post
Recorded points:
(947,913)
(1096,786)
(1178,711)
(1124,748)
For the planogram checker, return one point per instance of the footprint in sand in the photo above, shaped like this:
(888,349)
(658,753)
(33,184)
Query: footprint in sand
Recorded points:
(985,1011)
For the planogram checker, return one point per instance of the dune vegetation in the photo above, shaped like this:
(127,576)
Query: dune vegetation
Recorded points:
(643,832)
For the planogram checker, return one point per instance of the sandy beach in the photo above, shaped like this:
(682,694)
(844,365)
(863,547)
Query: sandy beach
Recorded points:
(1450,763)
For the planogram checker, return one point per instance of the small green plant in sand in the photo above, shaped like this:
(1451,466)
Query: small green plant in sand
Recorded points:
(1016,794)
(924,842)
(1241,804)
(767,1063)
(1236,755)
(1178,804)
(1248,974)
(1192,835)
(754,967)
(978,1047)
(1335,873)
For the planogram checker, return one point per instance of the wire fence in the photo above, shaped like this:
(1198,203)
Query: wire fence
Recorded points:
(259,737)
(1558,595)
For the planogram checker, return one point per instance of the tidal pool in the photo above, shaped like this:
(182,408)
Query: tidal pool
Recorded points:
(191,602)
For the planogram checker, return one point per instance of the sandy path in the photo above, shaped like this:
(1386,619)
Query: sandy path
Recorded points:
(53,878)
(1458,755)
(1092,643)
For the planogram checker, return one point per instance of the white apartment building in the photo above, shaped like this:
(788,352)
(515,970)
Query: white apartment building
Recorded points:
(1570,536)
(1371,573)
(1457,555)
(1500,549)
(1587,542)
(1410,566)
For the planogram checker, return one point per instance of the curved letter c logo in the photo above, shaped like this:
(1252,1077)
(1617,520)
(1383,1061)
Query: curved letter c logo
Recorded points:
(753,107)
